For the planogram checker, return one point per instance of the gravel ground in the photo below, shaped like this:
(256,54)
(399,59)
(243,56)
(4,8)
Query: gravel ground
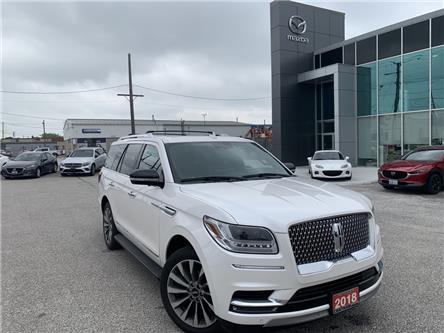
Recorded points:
(57,275)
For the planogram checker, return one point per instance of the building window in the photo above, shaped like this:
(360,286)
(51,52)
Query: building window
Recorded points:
(389,89)
(416,130)
(349,54)
(328,102)
(331,57)
(389,138)
(438,78)
(366,50)
(389,44)
(367,149)
(318,102)
(416,37)
(416,81)
(438,127)
(366,89)
(438,31)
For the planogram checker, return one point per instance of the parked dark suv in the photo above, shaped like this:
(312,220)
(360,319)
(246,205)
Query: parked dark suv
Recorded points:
(421,168)
(30,164)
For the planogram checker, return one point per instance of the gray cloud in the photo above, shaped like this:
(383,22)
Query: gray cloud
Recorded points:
(217,49)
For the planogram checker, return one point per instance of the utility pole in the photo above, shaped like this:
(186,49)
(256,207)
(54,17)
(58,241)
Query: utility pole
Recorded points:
(131,96)
(204,115)
(3,130)
(44,130)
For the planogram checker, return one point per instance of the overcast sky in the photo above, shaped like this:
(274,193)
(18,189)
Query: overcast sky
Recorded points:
(209,49)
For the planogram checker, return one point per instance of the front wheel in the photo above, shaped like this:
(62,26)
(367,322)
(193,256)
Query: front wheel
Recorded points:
(38,173)
(434,183)
(93,169)
(186,295)
(54,168)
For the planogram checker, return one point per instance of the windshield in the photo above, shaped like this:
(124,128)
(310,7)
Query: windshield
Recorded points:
(28,157)
(328,155)
(425,155)
(82,153)
(221,161)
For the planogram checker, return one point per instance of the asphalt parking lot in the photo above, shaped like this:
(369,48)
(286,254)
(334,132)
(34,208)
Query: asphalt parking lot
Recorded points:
(58,276)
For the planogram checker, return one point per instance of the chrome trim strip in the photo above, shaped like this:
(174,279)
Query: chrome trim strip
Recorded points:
(254,267)
(255,303)
(372,288)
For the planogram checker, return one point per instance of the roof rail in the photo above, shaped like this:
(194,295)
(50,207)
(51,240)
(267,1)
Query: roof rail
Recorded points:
(132,136)
(179,132)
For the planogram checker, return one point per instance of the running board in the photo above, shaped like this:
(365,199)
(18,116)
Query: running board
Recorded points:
(153,267)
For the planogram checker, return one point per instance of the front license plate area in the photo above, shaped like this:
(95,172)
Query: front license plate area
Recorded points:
(393,182)
(344,300)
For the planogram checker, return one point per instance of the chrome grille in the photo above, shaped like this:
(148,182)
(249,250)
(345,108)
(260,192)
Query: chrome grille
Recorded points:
(73,165)
(313,241)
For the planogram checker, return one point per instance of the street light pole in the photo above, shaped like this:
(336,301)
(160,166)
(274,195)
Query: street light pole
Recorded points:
(204,115)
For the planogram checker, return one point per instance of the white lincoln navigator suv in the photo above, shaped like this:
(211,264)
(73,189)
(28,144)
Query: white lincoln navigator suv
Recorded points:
(233,235)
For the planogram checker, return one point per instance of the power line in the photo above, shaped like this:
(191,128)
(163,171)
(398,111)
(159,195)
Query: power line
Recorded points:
(200,97)
(28,116)
(60,92)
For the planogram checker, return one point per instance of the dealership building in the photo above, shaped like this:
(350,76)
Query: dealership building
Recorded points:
(375,97)
(94,132)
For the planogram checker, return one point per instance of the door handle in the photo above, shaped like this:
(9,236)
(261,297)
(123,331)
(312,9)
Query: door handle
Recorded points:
(111,184)
(131,194)
(167,210)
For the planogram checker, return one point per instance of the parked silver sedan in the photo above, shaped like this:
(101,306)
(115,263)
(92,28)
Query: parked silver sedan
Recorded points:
(83,161)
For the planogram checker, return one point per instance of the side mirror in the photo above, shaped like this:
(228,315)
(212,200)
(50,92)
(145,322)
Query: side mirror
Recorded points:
(308,159)
(290,166)
(44,159)
(146,177)
(347,158)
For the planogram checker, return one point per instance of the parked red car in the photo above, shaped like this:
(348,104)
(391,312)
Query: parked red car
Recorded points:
(421,168)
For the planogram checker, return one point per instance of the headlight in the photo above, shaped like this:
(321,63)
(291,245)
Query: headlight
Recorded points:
(419,171)
(240,238)
(344,166)
(319,166)
(86,163)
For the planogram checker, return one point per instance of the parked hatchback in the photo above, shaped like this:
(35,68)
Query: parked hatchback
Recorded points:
(233,235)
(30,164)
(329,164)
(83,161)
(423,168)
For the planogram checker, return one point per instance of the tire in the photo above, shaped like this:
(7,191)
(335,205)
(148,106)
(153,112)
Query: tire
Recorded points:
(183,275)
(38,173)
(109,228)
(93,170)
(55,168)
(434,184)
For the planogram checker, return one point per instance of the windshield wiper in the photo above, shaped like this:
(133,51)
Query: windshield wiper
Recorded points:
(267,175)
(210,179)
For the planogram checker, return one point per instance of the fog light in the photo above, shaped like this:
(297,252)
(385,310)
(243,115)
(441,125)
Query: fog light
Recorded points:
(347,172)
(316,172)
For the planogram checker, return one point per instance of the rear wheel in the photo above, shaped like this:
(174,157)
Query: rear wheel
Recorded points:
(185,293)
(109,228)
(38,173)
(434,183)
(54,168)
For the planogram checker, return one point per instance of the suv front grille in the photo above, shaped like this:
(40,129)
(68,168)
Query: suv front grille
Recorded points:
(394,174)
(73,165)
(313,241)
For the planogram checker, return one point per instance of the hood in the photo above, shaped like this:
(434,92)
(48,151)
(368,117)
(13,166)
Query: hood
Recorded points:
(277,203)
(19,164)
(78,159)
(403,165)
(332,164)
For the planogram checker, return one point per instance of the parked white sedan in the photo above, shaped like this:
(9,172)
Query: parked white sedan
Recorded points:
(3,160)
(330,164)
(83,161)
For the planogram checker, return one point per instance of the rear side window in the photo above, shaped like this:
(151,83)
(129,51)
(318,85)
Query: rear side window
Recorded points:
(115,153)
(150,159)
(130,159)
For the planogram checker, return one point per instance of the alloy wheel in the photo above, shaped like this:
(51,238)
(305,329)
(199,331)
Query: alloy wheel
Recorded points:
(435,183)
(107,225)
(189,295)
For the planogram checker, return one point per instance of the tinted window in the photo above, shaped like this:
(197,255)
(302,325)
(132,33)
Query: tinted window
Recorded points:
(82,153)
(49,156)
(416,36)
(130,159)
(221,161)
(150,159)
(28,157)
(389,90)
(389,44)
(317,61)
(416,81)
(349,54)
(366,89)
(366,50)
(96,154)
(331,57)
(115,153)
(438,78)
(425,155)
(438,31)
(328,155)
(328,109)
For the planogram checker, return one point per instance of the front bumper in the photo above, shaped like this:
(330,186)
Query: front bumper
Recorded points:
(22,174)
(411,181)
(331,173)
(279,275)
(75,171)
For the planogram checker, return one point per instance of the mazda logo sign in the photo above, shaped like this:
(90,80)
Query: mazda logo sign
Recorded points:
(297,25)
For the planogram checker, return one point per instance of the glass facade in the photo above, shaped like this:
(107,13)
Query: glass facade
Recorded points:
(400,95)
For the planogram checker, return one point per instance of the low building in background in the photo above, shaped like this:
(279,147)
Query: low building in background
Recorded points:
(102,132)
(15,146)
